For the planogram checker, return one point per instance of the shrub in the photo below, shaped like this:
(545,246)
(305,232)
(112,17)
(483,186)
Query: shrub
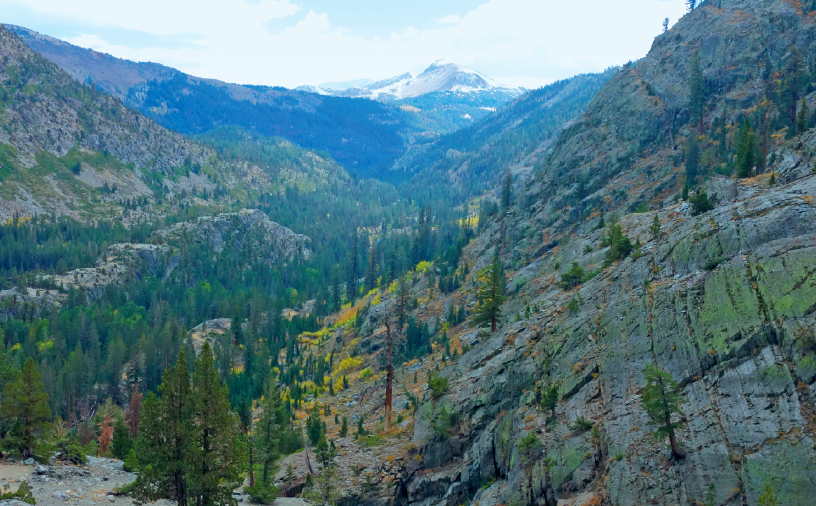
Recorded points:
(23,494)
(529,447)
(438,386)
(620,246)
(443,424)
(263,493)
(71,452)
(580,425)
(573,306)
(574,277)
(700,203)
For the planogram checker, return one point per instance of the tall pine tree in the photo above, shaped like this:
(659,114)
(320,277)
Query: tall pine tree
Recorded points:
(25,409)
(491,297)
(214,459)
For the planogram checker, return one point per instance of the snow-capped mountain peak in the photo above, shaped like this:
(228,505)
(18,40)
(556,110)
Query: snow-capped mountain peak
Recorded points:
(440,76)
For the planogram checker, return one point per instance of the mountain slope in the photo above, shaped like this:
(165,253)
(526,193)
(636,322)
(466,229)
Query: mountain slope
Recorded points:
(361,135)
(722,299)
(515,138)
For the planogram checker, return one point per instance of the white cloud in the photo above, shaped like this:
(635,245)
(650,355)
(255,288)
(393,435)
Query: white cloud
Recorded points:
(453,19)
(526,41)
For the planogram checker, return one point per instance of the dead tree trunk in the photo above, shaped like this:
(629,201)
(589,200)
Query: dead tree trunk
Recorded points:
(389,375)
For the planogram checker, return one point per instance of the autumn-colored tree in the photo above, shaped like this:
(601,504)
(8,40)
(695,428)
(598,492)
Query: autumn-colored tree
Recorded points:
(134,410)
(106,428)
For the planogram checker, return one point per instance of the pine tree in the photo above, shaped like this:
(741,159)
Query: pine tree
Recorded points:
(697,91)
(163,444)
(269,427)
(549,400)
(344,427)
(371,271)
(25,409)
(655,228)
(507,192)
(122,442)
(491,297)
(802,120)
(214,459)
(661,399)
(794,78)
(237,329)
(8,372)
(768,498)
(325,491)
(746,150)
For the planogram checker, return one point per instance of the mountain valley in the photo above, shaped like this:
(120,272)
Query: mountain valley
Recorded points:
(597,293)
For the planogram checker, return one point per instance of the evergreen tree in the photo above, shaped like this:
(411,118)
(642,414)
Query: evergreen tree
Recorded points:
(325,491)
(655,228)
(269,428)
(122,442)
(697,92)
(25,409)
(491,297)
(344,427)
(371,271)
(507,192)
(746,150)
(237,329)
(661,399)
(214,459)
(549,400)
(794,78)
(802,120)
(163,444)
(768,498)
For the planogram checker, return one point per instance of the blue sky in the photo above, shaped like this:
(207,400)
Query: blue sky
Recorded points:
(290,42)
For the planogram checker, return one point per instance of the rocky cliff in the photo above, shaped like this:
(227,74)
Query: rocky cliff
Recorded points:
(724,300)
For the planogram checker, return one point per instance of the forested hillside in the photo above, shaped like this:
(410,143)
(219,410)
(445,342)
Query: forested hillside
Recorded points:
(601,294)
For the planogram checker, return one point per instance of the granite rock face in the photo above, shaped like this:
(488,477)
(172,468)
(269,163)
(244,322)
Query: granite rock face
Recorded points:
(239,231)
(721,301)
(725,301)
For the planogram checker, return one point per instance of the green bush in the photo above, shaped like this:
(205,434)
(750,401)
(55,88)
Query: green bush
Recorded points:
(443,424)
(438,386)
(71,452)
(23,494)
(131,462)
(574,277)
(581,425)
(529,447)
(620,246)
(700,203)
(263,493)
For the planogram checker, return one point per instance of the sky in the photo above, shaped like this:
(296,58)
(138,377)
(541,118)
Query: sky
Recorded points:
(526,43)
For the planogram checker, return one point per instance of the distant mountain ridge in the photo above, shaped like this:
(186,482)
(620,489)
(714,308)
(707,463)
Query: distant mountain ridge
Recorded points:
(440,77)
(361,136)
